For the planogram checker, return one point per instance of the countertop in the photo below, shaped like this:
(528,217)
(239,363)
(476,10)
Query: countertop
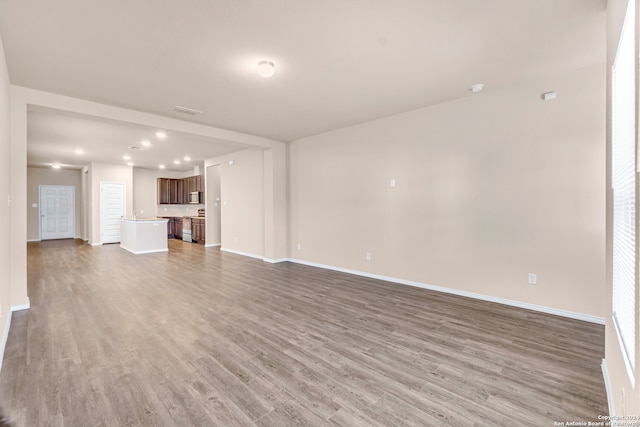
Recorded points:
(145,220)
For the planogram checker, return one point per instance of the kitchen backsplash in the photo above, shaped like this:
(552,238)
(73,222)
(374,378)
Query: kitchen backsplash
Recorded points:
(179,210)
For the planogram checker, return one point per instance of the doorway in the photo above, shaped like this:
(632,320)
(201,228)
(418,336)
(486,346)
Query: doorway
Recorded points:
(112,209)
(57,212)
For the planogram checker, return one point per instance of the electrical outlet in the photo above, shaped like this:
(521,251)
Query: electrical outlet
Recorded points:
(367,256)
(392,183)
(533,278)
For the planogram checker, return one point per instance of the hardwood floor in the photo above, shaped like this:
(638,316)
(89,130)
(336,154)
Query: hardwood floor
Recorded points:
(200,337)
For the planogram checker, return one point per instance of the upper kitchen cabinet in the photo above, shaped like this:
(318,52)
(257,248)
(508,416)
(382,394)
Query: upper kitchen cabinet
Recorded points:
(175,191)
(169,191)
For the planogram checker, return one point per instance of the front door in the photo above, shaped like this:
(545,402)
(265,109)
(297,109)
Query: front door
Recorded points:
(57,212)
(112,208)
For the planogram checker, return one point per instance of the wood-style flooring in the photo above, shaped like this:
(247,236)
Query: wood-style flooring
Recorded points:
(201,337)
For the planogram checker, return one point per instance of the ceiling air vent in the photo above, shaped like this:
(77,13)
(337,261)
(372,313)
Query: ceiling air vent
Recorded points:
(185,110)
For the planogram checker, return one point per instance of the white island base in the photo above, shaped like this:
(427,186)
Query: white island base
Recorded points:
(143,236)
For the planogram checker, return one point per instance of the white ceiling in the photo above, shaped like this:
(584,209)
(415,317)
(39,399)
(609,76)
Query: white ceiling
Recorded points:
(338,62)
(54,136)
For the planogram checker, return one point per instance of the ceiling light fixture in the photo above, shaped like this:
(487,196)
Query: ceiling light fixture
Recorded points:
(79,151)
(145,143)
(161,166)
(476,88)
(177,162)
(266,69)
(129,163)
(126,157)
(161,135)
(187,158)
(55,165)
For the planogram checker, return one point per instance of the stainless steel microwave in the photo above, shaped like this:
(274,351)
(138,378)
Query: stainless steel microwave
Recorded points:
(194,197)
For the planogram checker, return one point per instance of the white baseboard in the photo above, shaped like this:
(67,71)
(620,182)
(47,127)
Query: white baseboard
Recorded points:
(150,251)
(607,386)
(212,245)
(33,240)
(275,261)
(534,307)
(233,251)
(21,306)
(5,336)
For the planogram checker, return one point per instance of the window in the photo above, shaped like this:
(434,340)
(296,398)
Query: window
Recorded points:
(623,181)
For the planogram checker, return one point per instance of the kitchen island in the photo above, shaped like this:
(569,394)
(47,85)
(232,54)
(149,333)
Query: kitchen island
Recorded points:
(143,236)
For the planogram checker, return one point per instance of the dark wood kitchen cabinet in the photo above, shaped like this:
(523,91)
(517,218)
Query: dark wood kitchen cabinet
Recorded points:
(197,230)
(177,230)
(175,191)
(168,191)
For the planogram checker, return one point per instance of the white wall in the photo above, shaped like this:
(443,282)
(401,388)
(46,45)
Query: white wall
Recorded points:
(213,210)
(5,192)
(48,176)
(242,193)
(490,187)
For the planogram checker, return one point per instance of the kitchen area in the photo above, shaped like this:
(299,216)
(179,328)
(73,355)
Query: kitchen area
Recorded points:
(168,207)
(184,193)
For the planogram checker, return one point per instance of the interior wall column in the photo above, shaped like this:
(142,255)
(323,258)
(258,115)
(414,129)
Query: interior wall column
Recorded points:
(18,229)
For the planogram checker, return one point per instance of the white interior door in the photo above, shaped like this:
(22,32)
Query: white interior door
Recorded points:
(112,209)
(57,212)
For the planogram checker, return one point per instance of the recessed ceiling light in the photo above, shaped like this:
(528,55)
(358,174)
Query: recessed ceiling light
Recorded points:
(266,69)
(126,157)
(55,165)
(177,162)
(161,166)
(145,143)
(129,163)
(79,151)
(231,162)
(187,158)
(476,88)
(161,135)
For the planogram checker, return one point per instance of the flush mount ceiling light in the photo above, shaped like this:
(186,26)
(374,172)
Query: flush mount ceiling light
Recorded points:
(161,135)
(476,88)
(266,69)
(56,165)
(177,162)
(187,158)
(161,166)
(145,143)
(126,157)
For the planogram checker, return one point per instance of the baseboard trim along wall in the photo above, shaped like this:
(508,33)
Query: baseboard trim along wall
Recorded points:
(212,245)
(534,307)
(247,254)
(607,386)
(21,306)
(275,261)
(33,240)
(7,326)
(5,336)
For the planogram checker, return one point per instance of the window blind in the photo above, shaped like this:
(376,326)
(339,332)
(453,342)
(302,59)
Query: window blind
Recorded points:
(623,180)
